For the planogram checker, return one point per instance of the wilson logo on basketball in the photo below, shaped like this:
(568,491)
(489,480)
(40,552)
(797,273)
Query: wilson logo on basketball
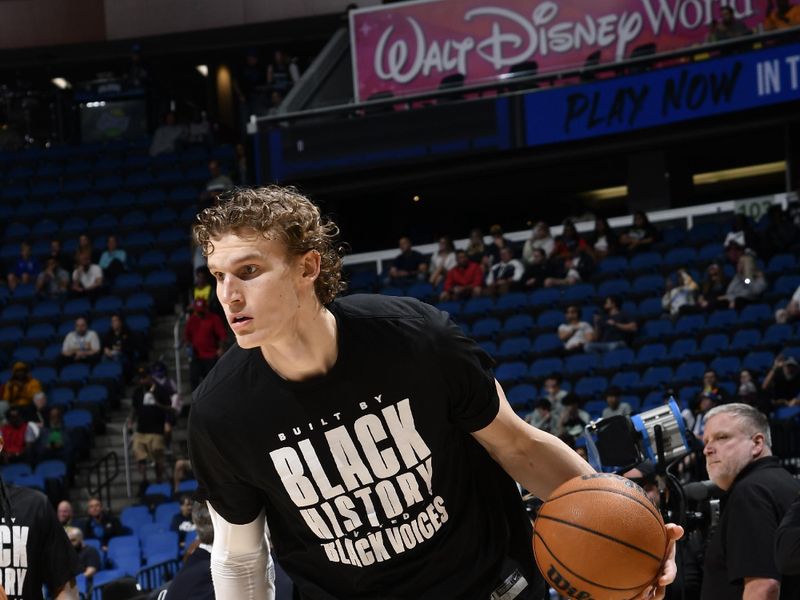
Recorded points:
(561,584)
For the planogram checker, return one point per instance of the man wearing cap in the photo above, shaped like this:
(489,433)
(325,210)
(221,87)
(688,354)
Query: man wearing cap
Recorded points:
(204,334)
(22,387)
(782,381)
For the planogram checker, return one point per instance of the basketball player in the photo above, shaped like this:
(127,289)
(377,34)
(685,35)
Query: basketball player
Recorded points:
(367,431)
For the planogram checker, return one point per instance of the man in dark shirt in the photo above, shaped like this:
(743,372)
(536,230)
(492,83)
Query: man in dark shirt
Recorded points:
(408,266)
(782,382)
(193,581)
(612,330)
(739,560)
(149,410)
(182,522)
(100,524)
(88,557)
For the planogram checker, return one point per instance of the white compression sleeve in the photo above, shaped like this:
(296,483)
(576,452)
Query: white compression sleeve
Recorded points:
(241,566)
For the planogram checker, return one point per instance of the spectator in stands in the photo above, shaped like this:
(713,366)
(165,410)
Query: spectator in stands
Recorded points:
(408,266)
(199,133)
(65,514)
(181,522)
(792,311)
(505,275)
(747,285)
(88,557)
(39,414)
(612,330)
(119,344)
(81,345)
(182,471)
(641,235)
(540,239)
(241,164)
(749,392)
(603,240)
(204,334)
(781,234)
(713,287)
(680,295)
(781,15)
(475,247)
(62,258)
(491,255)
(615,405)
(728,27)
(542,415)
(150,403)
(100,524)
(569,244)
(250,86)
(84,247)
(54,441)
(87,278)
(570,271)
(538,271)
(53,282)
(742,234)
(782,381)
(219,183)
(19,437)
(574,332)
(465,280)
(282,72)
(25,268)
(168,137)
(551,389)
(161,376)
(572,419)
(712,388)
(114,259)
(442,261)
(21,388)
(193,581)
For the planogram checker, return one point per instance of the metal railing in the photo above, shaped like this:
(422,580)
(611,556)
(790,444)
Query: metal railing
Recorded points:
(104,473)
(177,346)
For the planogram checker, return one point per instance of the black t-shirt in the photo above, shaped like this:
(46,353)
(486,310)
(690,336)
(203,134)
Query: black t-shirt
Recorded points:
(785,389)
(148,403)
(409,261)
(88,557)
(372,485)
(611,333)
(38,550)
(193,581)
(743,543)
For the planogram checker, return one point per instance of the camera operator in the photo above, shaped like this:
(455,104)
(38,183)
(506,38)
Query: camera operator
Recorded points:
(787,541)
(739,560)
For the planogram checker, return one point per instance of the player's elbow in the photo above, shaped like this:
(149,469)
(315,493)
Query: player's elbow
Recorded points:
(227,566)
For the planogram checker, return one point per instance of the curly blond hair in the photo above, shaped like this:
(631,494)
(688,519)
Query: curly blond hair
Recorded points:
(277,212)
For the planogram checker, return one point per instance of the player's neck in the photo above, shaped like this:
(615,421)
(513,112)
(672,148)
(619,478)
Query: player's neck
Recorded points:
(310,350)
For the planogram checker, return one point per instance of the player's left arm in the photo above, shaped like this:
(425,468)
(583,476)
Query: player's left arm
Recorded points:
(761,588)
(537,460)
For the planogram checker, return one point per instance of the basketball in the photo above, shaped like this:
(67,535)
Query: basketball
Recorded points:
(599,537)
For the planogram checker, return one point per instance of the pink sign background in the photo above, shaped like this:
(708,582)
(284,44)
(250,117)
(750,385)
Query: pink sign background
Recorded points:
(408,48)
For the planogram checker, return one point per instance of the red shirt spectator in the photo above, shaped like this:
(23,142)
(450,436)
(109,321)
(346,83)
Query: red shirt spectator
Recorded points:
(205,331)
(463,280)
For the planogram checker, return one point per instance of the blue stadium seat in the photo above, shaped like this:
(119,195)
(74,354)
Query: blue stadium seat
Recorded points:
(126,544)
(139,323)
(780,263)
(650,354)
(650,308)
(14,470)
(612,265)
(656,377)
(421,291)
(689,324)
(755,313)
(786,285)
(759,362)
(139,179)
(45,375)
(164,543)
(522,396)
(78,418)
(135,219)
(514,348)
(745,339)
(648,285)
(511,302)
(625,380)
(590,387)
(105,223)
(163,216)
(690,372)
(165,512)
(614,287)
(45,311)
(74,225)
(14,314)
(139,239)
(510,372)
(127,282)
(10,336)
(518,324)
(486,328)
(489,347)
(578,293)
(547,343)
(17,231)
(477,307)
(617,359)
(134,517)
(157,196)
(722,320)
(544,297)
(75,374)
(550,319)
(777,335)
(77,307)
(172,236)
(186,486)
(704,232)
(27,354)
(580,364)
(93,394)
(542,367)
(646,261)
(44,228)
(653,400)
(726,366)
(712,345)
(52,469)
(680,257)
(62,397)
(30,481)
(681,349)
(140,302)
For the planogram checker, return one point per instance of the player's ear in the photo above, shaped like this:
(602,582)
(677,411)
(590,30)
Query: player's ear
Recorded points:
(311,262)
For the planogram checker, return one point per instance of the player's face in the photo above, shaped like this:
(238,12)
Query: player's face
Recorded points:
(259,287)
(728,448)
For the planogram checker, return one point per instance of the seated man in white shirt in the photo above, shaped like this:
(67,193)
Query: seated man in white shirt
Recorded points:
(81,345)
(574,332)
(87,278)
